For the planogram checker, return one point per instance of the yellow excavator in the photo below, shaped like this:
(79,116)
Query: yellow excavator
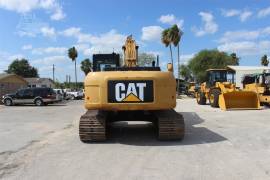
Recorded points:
(129,93)
(260,84)
(221,92)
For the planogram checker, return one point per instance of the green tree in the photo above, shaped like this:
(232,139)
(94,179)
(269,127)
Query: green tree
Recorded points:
(166,40)
(207,59)
(145,59)
(86,66)
(235,59)
(185,72)
(73,54)
(264,60)
(22,68)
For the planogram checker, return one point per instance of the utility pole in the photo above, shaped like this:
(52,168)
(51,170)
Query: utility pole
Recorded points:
(53,72)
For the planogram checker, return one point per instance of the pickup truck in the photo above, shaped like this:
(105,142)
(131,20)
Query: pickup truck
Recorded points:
(75,94)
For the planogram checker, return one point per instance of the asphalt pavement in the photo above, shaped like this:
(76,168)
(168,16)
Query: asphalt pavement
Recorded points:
(43,143)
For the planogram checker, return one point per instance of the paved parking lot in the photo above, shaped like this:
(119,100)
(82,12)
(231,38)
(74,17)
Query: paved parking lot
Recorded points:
(42,143)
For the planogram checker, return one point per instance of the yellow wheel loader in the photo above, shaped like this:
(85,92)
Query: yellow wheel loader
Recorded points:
(191,89)
(129,93)
(221,92)
(260,84)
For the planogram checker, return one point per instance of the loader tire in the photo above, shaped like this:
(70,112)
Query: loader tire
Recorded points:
(200,97)
(213,97)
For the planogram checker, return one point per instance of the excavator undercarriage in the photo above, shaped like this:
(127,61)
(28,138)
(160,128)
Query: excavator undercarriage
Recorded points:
(94,124)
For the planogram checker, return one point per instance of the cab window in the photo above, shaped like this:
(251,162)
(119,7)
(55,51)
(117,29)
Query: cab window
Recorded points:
(28,92)
(20,92)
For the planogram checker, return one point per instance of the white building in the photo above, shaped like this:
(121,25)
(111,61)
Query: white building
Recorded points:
(40,82)
(240,71)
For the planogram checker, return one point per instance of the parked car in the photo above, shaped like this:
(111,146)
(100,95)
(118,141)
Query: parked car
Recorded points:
(37,96)
(60,94)
(75,94)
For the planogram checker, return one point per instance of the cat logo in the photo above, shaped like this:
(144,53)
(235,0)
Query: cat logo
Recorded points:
(130,91)
(129,94)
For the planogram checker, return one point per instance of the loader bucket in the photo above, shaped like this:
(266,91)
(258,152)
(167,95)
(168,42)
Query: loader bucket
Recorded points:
(239,100)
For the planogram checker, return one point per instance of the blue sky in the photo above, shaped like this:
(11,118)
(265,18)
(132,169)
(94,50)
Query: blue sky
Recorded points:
(43,30)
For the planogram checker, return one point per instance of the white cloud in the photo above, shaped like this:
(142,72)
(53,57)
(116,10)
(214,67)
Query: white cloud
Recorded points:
(84,48)
(105,43)
(76,33)
(245,48)
(184,58)
(230,12)
(243,15)
(155,53)
(58,14)
(246,42)
(25,6)
(151,33)
(230,36)
(48,32)
(241,34)
(171,20)
(50,60)
(6,58)
(71,32)
(85,38)
(15,56)
(49,50)
(264,12)
(27,47)
(209,25)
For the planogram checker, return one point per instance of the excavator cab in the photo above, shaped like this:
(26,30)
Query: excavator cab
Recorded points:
(104,61)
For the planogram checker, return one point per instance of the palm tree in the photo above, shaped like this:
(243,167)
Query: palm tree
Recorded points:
(175,35)
(264,60)
(165,38)
(86,66)
(73,54)
(235,59)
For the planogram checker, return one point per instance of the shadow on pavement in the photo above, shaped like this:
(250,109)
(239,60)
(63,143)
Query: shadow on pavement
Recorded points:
(146,134)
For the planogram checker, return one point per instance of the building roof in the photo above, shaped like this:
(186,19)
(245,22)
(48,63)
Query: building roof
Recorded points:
(248,68)
(6,75)
(37,80)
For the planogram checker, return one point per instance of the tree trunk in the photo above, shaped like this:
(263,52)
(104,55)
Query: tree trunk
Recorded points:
(171,56)
(75,75)
(178,67)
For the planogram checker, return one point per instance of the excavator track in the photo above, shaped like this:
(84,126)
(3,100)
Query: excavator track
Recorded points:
(92,126)
(171,125)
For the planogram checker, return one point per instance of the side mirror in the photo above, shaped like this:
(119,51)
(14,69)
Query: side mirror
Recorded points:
(170,67)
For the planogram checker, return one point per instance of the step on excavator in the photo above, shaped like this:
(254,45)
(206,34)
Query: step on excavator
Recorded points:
(221,92)
(260,84)
(129,93)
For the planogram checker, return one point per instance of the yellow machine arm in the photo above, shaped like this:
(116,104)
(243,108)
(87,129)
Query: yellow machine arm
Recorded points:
(130,52)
